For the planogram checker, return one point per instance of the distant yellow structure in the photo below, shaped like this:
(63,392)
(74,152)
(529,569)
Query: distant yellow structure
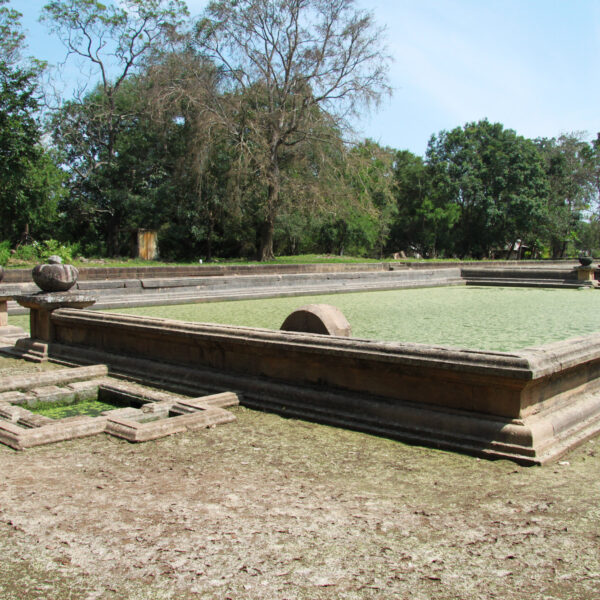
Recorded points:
(147,244)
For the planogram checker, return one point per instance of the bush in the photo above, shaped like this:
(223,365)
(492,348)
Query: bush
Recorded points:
(41,251)
(53,248)
(4,252)
(27,253)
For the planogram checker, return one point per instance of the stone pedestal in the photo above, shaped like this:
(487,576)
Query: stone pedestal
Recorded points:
(40,307)
(587,274)
(4,310)
(6,330)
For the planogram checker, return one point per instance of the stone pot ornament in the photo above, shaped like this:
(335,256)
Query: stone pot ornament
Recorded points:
(585,261)
(53,276)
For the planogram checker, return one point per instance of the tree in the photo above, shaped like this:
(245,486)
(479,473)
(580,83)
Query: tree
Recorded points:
(285,62)
(595,169)
(109,200)
(497,181)
(424,220)
(12,38)
(370,173)
(571,170)
(30,183)
(179,88)
(114,39)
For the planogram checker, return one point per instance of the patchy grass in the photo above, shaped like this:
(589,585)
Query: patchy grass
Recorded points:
(301,259)
(61,410)
(15,366)
(137,262)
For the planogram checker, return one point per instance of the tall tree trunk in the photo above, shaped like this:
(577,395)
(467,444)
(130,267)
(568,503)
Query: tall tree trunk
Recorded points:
(112,237)
(268,226)
(563,249)
(209,236)
(266,240)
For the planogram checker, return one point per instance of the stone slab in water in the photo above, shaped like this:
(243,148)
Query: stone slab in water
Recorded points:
(318,318)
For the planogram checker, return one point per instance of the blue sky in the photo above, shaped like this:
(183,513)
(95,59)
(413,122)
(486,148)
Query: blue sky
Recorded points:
(533,65)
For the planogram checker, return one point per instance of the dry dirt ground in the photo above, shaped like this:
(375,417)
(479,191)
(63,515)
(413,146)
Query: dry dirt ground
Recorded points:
(270,508)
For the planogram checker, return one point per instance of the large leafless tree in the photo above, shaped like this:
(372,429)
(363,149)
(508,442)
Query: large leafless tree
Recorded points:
(288,62)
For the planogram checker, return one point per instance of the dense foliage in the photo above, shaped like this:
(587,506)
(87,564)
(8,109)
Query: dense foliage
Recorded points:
(30,182)
(228,135)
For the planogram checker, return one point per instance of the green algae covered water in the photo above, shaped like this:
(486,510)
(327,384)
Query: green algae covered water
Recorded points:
(58,410)
(485,318)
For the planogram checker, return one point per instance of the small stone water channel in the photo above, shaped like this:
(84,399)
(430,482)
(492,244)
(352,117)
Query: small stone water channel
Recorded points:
(83,401)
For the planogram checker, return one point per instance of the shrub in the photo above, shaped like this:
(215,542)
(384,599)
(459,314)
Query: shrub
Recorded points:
(54,248)
(41,251)
(27,252)
(4,252)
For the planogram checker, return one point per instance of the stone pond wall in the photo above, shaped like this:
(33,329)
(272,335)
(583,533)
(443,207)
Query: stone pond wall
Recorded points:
(13,276)
(529,406)
(117,292)
(142,286)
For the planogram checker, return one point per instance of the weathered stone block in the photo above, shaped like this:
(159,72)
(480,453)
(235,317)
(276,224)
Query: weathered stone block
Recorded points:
(323,319)
(54,277)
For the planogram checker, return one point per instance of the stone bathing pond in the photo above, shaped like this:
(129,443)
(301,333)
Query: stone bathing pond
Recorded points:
(483,318)
(496,371)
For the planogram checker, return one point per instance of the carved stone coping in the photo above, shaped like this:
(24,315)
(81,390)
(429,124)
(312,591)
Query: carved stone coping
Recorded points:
(32,380)
(52,301)
(40,327)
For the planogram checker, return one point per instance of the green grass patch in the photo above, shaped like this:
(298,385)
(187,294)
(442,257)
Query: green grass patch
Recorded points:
(61,410)
(302,259)
(138,262)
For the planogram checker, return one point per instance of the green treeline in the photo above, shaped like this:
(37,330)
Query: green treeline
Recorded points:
(228,134)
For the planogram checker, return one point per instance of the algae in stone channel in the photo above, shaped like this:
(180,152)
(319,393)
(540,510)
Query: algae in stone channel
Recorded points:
(61,410)
(486,318)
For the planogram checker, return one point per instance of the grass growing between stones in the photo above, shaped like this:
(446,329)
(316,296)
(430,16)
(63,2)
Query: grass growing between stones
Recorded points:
(61,410)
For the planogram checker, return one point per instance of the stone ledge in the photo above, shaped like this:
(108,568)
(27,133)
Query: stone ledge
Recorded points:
(210,289)
(18,438)
(134,431)
(530,406)
(530,441)
(29,381)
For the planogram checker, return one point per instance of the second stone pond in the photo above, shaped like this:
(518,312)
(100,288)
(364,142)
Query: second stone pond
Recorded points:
(485,318)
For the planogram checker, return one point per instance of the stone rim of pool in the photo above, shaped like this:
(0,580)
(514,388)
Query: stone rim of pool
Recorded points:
(530,406)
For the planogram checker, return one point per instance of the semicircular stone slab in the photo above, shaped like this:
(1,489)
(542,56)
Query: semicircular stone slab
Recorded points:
(318,318)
